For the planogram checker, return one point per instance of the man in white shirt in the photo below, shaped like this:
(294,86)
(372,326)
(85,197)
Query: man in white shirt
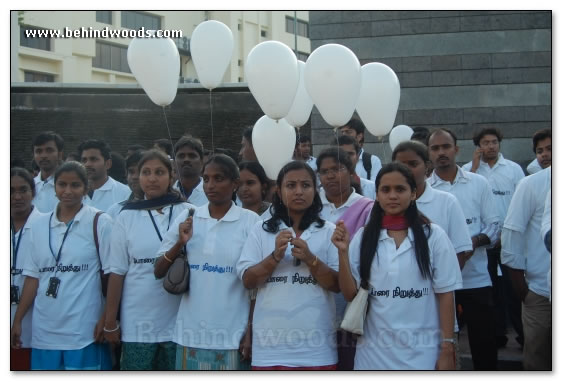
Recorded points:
(503,176)
(476,199)
(48,154)
(103,190)
(189,162)
(303,151)
(541,141)
(368,165)
(352,148)
(529,262)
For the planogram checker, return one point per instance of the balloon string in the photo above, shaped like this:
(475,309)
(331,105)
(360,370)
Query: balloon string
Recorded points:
(384,150)
(339,164)
(211,121)
(170,139)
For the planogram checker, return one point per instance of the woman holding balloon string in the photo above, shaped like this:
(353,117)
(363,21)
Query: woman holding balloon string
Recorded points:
(213,315)
(292,262)
(136,237)
(62,282)
(407,265)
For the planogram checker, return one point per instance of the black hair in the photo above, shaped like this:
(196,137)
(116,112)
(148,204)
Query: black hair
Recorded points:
(416,147)
(47,136)
(357,125)
(165,144)
(256,169)
(228,152)
(338,155)
(441,130)
(420,134)
(302,138)
(17,162)
(346,140)
(25,175)
(227,164)
(486,131)
(104,148)
(247,133)
(159,155)
(191,142)
(418,223)
(118,170)
(540,135)
(73,166)
(279,210)
(133,159)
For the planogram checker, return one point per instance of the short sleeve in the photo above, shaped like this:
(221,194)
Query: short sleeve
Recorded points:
(354,255)
(119,259)
(457,228)
(520,209)
(446,275)
(252,251)
(332,251)
(105,226)
(171,237)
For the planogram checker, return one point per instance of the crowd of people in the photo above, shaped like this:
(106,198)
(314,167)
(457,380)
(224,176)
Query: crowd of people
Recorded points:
(274,263)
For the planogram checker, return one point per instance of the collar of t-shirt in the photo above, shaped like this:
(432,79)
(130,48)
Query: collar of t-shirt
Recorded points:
(107,185)
(50,179)
(427,196)
(55,221)
(460,177)
(197,188)
(306,234)
(233,214)
(500,162)
(384,236)
(351,199)
(32,216)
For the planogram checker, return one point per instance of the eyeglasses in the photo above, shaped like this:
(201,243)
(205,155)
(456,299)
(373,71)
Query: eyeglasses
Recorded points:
(333,171)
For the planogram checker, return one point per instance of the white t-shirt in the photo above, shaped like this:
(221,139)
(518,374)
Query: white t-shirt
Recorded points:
(476,199)
(534,167)
(148,311)
(197,197)
(110,193)
(17,279)
(67,322)
(402,327)
(312,162)
(45,198)
(375,166)
(368,188)
(214,312)
(503,178)
(545,227)
(294,317)
(330,212)
(115,208)
(522,245)
(443,208)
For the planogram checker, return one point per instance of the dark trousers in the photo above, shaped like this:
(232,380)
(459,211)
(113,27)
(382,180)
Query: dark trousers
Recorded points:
(477,312)
(506,303)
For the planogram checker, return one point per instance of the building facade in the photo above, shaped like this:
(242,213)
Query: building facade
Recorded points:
(104,60)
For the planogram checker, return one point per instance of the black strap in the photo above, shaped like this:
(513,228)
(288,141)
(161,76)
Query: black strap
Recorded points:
(154,223)
(366,160)
(58,257)
(17,243)
(95,228)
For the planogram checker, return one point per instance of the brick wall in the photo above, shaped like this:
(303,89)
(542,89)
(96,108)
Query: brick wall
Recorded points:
(458,69)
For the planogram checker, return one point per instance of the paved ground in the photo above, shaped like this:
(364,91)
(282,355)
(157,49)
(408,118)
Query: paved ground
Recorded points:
(509,357)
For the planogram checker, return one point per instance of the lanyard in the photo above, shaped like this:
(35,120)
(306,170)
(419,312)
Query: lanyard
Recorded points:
(17,243)
(154,223)
(57,258)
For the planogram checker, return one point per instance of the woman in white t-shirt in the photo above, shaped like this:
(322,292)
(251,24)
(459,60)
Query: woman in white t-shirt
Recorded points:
(148,312)
(22,215)
(62,282)
(410,270)
(292,262)
(213,314)
(253,188)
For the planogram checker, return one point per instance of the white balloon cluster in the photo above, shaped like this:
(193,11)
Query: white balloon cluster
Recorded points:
(332,79)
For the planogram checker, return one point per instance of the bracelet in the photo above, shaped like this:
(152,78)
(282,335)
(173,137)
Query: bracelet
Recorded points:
(276,260)
(315,262)
(167,259)
(112,330)
(450,340)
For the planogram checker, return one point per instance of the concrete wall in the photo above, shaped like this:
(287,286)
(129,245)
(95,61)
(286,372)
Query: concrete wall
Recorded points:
(458,69)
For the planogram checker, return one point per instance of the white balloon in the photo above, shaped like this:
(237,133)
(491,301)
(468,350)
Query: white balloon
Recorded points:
(399,134)
(273,76)
(211,47)
(273,142)
(332,79)
(155,63)
(302,104)
(378,102)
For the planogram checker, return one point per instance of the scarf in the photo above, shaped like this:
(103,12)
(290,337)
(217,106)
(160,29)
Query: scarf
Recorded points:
(154,204)
(394,223)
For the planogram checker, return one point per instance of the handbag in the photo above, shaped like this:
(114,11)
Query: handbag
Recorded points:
(177,279)
(355,313)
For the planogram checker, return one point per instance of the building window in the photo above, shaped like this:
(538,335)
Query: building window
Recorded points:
(263,33)
(302,56)
(239,27)
(239,62)
(240,79)
(302,26)
(111,57)
(38,77)
(36,42)
(137,20)
(103,17)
